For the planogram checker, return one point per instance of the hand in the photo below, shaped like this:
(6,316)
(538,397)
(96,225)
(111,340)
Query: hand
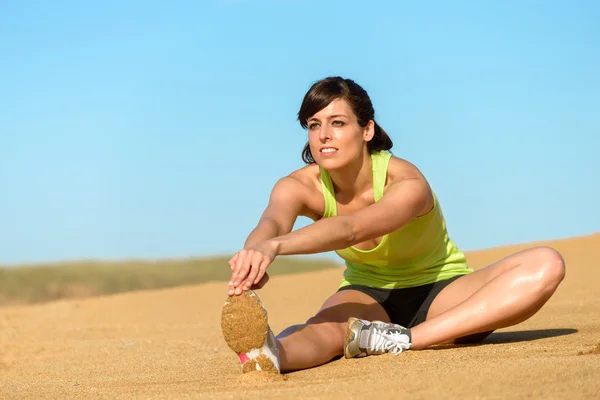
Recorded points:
(249,266)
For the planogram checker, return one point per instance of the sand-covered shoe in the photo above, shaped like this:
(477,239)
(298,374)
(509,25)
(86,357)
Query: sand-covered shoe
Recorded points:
(364,338)
(246,331)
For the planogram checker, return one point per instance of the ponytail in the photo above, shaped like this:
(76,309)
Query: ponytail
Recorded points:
(381,140)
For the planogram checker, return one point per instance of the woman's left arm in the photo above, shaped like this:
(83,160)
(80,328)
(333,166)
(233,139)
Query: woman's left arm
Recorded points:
(403,201)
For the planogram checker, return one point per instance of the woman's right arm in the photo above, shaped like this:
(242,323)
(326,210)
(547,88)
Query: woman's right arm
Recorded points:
(286,202)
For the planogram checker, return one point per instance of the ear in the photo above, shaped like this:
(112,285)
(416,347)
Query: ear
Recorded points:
(369,131)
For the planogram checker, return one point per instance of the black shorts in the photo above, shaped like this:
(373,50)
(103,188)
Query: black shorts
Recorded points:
(406,306)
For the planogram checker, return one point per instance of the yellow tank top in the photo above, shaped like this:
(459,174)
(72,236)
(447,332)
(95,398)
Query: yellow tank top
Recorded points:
(417,254)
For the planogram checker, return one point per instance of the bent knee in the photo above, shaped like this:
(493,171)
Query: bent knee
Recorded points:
(551,267)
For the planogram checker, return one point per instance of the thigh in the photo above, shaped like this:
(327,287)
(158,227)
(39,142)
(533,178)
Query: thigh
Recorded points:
(344,304)
(465,286)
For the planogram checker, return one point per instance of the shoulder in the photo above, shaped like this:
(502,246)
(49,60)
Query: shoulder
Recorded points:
(307,177)
(301,181)
(303,185)
(400,171)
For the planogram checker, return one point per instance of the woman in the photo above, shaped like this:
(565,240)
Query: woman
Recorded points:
(406,284)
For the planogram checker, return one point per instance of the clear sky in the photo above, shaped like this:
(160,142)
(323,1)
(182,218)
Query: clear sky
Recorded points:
(157,129)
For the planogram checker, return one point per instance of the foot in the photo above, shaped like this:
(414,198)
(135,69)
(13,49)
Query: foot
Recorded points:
(246,331)
(364,338)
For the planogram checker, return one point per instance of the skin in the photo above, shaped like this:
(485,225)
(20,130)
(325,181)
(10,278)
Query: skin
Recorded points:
(500,295)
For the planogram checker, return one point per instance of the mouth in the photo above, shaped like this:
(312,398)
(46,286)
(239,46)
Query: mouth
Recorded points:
(327,151)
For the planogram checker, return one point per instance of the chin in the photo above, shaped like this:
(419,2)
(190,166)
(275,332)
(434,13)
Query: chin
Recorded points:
(331,163)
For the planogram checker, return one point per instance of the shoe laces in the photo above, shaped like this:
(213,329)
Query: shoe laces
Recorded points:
(381,341)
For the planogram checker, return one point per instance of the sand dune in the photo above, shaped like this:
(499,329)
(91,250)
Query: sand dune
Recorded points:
(168,344)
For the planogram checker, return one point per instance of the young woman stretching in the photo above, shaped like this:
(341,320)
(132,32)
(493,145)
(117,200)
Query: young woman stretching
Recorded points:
(406,284)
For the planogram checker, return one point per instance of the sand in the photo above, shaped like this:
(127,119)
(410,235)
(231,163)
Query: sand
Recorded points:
(168,344)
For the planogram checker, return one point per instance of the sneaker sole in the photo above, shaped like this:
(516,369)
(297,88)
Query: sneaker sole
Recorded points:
(349,336)
(245,327)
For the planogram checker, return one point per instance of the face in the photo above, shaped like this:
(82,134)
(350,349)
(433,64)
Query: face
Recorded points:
(335,137)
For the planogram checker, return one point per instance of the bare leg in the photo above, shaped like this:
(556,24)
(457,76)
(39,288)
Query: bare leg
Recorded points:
(321,338)
(500,295)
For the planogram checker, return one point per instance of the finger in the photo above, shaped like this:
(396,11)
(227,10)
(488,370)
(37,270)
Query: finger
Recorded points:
(242,272)
(262,270)
(262,282)
(242,255)
(232,267)
(233,260)
(257,260)
(232,263)
(258,272)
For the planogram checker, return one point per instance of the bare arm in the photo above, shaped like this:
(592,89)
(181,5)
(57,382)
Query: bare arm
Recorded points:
(281,213)
(279,216)
(286,203)
(402,202)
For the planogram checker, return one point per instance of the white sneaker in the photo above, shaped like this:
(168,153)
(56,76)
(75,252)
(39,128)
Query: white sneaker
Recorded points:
(364,338)
(246,331)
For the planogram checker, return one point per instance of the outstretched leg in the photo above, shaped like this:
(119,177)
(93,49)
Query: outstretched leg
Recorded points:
(321,338)
(500,295)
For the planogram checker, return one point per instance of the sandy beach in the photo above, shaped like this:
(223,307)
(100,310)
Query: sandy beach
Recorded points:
(168,344)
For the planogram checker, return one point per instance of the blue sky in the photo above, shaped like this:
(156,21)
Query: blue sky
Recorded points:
(155,129)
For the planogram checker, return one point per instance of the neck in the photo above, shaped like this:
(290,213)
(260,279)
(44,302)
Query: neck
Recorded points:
(354,178)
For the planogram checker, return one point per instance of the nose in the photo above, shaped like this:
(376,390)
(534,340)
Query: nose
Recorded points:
(324,133)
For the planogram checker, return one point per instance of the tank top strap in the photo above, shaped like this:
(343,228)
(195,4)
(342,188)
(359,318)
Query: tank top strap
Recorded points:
(328,194)
(380,161)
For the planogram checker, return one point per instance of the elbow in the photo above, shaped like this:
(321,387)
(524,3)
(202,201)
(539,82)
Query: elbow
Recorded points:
(275,225)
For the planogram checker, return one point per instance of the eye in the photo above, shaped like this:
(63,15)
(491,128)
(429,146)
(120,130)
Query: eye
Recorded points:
(312,126)
(338,123)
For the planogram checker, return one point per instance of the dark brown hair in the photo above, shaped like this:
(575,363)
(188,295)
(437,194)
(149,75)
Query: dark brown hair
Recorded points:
(323,92)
